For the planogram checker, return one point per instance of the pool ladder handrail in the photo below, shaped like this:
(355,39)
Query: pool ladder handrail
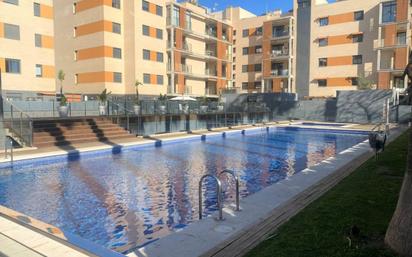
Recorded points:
(219,192)
(219,195)
(8,144)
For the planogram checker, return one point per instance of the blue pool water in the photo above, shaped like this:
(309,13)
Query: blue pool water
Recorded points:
(130,198)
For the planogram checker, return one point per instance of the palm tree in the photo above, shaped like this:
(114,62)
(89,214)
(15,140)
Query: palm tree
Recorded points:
(61,77)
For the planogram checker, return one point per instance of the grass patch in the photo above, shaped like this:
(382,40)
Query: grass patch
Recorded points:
(349,220)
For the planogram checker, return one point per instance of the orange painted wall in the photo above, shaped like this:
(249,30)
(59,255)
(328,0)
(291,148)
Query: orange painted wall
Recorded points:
(389,34)
(266,68)
(179,38)
(252,32)
(339,40)
(94,27)
(182,17)
(48,71)
(153,56)
(401,58)
(178,61)
(46,11)
(152,8)
(95,52)
(219,30)
(88,4)
(152,32)
(276,85)
(341,18)
(47,42)
(95,77)
(384,80)
(3,64)
(153,79)
(401,10)
(180,83)
(339,82)
(341,60)
(267,30)
(1,29)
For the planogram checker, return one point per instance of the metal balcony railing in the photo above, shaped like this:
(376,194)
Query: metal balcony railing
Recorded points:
(284,33)
(396,42)
(280,72)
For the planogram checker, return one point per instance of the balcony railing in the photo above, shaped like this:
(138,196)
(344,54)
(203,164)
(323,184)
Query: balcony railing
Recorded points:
(280,73)
(279,53)
(278,34)
(398,42)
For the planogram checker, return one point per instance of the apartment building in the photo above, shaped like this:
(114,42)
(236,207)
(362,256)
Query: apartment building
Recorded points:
(199,51)
(27,48)
(263,58)
(393,43)
(344,43)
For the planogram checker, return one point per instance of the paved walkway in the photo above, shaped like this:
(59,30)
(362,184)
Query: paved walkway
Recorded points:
(17,240)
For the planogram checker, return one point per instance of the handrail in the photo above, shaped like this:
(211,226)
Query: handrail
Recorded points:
(377,128)
(231,172)
(9,143)
(218,192)
(19,131)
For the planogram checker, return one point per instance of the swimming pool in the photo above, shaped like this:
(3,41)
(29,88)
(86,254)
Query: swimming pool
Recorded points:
(129,198)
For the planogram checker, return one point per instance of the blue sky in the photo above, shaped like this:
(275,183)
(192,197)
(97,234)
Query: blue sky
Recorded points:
(255,6)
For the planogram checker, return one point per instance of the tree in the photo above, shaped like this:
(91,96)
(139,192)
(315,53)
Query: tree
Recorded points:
(61,76)
(136,85)
(399,233)
(364,83)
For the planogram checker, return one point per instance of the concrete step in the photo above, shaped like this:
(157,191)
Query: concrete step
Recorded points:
(47,138)
(76,127)
(77,131)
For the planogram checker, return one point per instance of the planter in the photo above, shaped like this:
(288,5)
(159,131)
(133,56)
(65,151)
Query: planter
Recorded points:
(63,111)
(204,108)
(102,109)
(136,109)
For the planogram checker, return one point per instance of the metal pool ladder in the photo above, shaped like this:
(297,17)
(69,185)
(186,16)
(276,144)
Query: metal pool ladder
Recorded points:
(8,144)
(218,192)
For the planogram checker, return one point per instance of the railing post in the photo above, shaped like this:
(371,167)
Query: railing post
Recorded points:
(31,133)
(21,124)
(11,116)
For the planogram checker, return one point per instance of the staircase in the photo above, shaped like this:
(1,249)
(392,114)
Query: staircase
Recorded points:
(67,132)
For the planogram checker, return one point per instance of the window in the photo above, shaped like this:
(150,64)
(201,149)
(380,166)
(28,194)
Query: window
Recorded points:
(323,41)
(245,32)
(116,28)
(159,10)
(358,16)
(323,62)
(159,57)
(257,84)
(12,66)
(188,20)
(357,59)
(117,53)
(36,9)
(401,38)
(354,81)
(39,71)
(176,16)
(258,49)
(304,3)
(16,2)
(159,79)
(11,31)
(146,31)
(146,54)
(117,77)
(259,31)
(244,68)
(245,50)
(357,38)
(146,78)
(389,12)
(37,40)
(245,85)
(159,33)
(116,4)
(145,5)
(258,67)
(322,83)
(234,32)
(324,21)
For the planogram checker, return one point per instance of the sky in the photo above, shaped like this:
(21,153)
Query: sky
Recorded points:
(255,6)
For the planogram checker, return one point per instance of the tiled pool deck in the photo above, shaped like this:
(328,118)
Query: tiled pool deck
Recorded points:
(20,240)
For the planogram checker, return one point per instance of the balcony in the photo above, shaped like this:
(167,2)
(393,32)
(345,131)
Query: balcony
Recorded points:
(279,73)
(397,43)
(279,53)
